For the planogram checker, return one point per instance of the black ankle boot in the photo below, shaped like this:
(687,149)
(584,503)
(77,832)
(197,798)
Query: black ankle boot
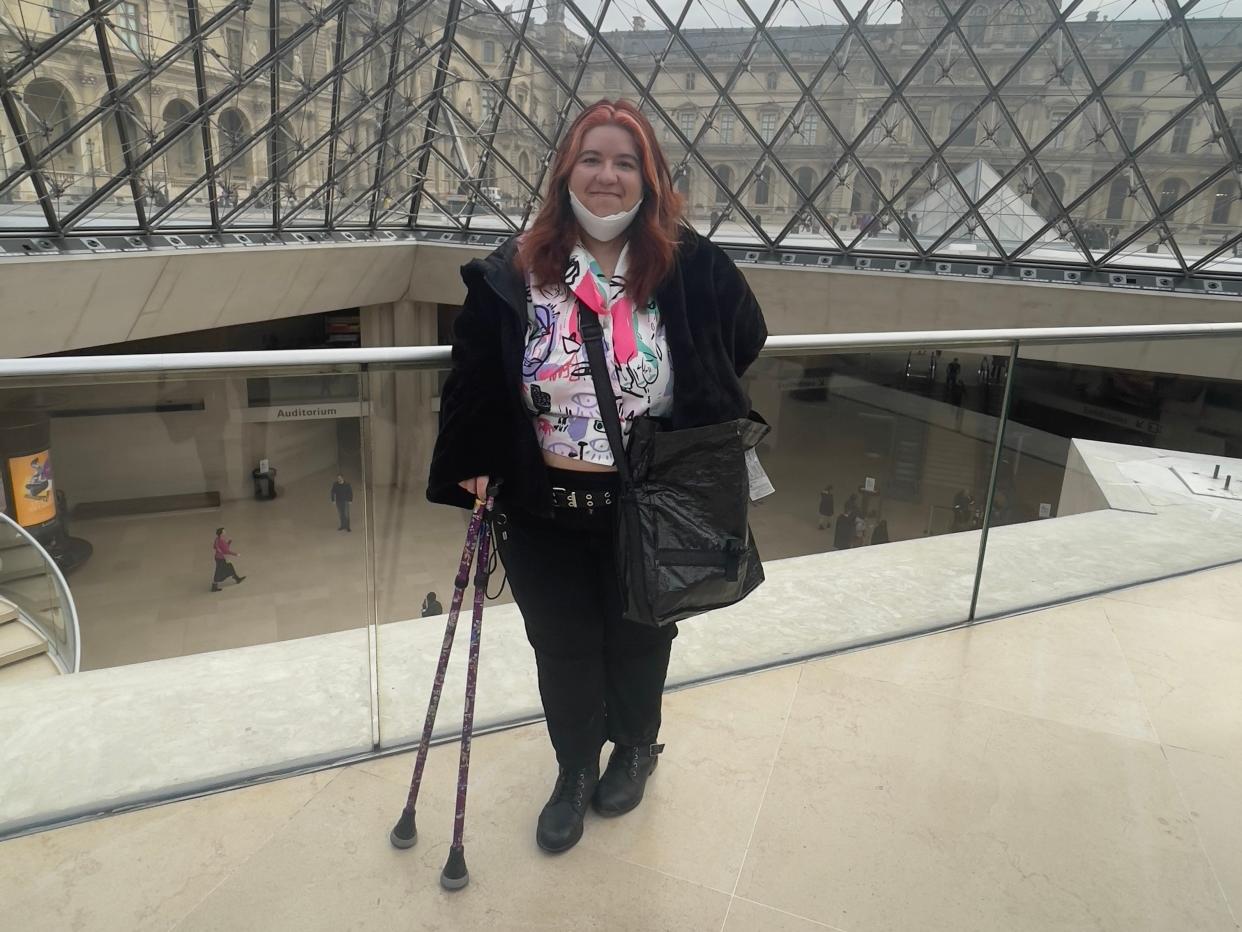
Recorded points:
(621,787)
(560,822)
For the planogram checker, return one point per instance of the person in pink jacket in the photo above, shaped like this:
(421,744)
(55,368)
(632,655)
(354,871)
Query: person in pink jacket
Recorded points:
(223,549)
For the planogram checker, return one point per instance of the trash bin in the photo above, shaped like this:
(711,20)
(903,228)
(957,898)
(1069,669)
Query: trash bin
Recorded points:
(264,484)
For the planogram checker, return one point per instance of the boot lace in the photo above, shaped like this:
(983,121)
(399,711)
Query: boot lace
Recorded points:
(633,755)
(571,787)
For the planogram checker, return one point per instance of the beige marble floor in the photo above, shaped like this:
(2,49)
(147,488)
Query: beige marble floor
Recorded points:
(1075,769)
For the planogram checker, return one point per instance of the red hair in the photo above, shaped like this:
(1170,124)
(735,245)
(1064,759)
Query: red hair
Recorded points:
(544,249)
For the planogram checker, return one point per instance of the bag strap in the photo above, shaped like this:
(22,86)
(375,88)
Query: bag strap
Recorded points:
(593,338)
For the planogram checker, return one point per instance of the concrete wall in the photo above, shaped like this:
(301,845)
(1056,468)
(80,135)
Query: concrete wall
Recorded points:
(133,455)
(1080,492)
(53,304)
(402,423)
(50,305)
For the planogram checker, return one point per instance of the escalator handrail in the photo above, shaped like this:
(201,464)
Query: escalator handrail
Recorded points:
(66,597)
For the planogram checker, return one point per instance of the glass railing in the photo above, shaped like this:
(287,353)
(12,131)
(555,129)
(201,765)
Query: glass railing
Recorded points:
(242,613)
(38,618)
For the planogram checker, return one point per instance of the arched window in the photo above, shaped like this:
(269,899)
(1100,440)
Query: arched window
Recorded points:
(524,165)
(234,129)
(806,179)
(683,183)
(1118,191)
(977,26)
(1224,199)
(763,186)
(725,174)
(1045,197)
(283,149)
(1170,191)
(51,107)
(961,129)
(866,197)
(187,151)
(129,115)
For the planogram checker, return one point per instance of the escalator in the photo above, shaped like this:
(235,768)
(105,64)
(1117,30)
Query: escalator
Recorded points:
(39,635)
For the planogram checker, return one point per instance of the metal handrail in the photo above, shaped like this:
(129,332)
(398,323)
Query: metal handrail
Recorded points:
(437,357)
(67,604)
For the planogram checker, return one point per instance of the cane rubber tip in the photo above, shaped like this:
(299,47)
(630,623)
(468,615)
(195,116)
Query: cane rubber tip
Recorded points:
(404,834)
(455,875)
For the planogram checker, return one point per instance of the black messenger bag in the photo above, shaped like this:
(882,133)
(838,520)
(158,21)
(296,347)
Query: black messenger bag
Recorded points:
(683,542)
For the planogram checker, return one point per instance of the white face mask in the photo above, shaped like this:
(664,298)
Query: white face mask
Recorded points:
(604,229)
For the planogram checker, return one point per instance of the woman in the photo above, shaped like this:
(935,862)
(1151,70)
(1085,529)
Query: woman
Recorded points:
(223,549)
(680,328)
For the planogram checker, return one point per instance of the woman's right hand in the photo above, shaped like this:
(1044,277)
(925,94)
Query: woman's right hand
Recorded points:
(476,487)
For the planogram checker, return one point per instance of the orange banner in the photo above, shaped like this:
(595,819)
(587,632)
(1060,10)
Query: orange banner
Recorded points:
(34,498)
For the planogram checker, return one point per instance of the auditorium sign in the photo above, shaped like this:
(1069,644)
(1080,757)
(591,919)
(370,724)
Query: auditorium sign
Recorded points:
(313,412)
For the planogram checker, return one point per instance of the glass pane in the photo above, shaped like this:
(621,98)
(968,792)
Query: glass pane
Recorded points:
(1108,475)
(220,587)
(865,449)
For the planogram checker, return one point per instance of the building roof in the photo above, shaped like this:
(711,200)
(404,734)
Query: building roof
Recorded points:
(1093,37)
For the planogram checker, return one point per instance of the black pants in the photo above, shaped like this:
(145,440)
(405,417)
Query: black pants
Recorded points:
(342,513)
(600,678)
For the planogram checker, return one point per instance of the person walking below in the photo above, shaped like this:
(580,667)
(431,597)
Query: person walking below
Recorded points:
(843,534)
(953,374)
(860,530)
(826,507)
(223,549)
(680,327)
(342,493)
(431,606)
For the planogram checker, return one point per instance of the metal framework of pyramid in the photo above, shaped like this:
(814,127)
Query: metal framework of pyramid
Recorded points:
(1110,129)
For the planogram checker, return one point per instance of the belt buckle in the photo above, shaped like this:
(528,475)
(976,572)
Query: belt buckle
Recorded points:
(571,498)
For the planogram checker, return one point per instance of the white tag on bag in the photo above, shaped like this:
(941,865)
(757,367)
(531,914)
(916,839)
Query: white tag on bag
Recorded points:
(760,485)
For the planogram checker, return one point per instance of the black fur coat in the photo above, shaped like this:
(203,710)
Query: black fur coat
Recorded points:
(714,328)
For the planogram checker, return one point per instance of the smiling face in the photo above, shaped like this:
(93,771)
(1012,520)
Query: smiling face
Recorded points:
(607,177)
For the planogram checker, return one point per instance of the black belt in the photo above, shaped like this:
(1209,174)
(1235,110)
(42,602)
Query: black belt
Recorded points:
(581,498)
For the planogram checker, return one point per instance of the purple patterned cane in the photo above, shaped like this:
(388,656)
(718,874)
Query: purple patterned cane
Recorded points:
(405,833)
(455,875)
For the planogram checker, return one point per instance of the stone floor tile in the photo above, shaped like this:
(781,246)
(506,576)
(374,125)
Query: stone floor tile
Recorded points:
(746,916)
(142,870)
(332,868)
(1212,788)
(700,806)
(1216,593)
(1187,670)
(891,809)
(1062,664)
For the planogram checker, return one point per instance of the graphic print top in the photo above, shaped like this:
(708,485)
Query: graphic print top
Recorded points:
(556,373)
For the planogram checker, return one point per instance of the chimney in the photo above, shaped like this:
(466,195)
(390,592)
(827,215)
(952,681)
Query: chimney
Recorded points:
(639,24)
(1093,15)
